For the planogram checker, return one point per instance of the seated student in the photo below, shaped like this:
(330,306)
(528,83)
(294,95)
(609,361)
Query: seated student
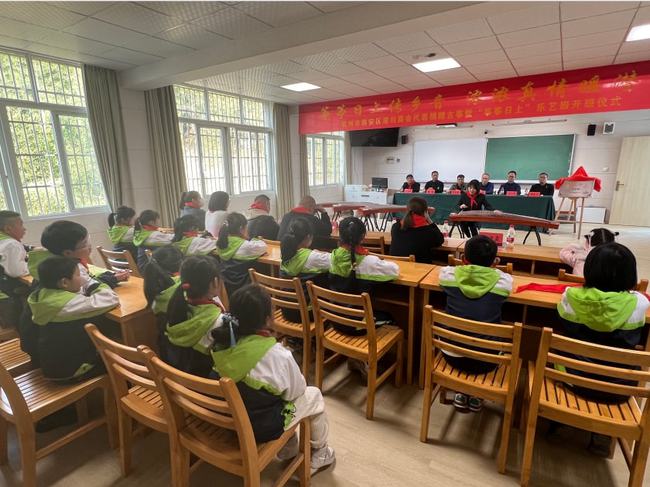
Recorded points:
(411,184)
(260,223)
(434,184)
(416,234)
(147,235)
(486,186)
(192,313)
(217,212)
(191,204)
(472,200)
(459,185)
(60,310)
(162,277)
(543,187)
(121,229)
(510,185)
(316,215)
(274,391)
(575,254)
(13,264)
(475,291)
(187,239)
(236,252)
(298,260)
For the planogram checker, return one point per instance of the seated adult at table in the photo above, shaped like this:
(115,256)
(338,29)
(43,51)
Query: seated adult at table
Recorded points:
(411,184)
(510,186)
(317,217)
(543,187)
(486,186)
(459,184)
(415,234)
(260,223)
(435,184)
(472,200)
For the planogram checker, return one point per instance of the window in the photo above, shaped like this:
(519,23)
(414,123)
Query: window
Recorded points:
(226,141)
(325,159)
(49,166)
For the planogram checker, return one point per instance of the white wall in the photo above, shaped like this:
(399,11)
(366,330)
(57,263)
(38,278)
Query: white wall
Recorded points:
(598,154)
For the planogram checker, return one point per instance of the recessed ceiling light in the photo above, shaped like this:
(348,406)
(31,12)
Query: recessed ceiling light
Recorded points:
(301,87)
(639,33)
(437,65)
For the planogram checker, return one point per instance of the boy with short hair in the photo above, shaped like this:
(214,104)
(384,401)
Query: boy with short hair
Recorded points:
(59,312)
(13,264)
(475,291)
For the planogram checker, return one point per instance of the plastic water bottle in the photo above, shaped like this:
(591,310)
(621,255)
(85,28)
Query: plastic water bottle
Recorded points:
(510,237)
(445,229)
(335,226)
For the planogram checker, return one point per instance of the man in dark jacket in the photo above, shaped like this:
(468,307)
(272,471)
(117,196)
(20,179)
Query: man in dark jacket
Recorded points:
(316,215)
(260,222)
(543,187)
(435,184)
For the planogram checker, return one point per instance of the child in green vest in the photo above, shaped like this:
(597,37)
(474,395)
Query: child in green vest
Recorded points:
(272,387)
(120,229)
(187,238)
(147,235)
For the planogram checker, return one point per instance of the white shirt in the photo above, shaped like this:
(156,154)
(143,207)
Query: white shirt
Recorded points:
(214,220)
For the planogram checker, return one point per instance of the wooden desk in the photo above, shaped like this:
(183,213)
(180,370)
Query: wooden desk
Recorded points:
(450,245)
(411,273)
(531,254)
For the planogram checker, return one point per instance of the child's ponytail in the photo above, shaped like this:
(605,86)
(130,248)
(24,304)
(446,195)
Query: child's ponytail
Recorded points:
(184,199)
(299,230)
(352,231)
(234,225)
(599,236)
(198,272)
(111,220)
(164,263)
(121,216)
(147,217)
(183,225)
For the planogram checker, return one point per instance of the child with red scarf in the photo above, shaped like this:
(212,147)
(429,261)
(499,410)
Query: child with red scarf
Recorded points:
(192,204)
(472,200)
(416,234)
(260,223)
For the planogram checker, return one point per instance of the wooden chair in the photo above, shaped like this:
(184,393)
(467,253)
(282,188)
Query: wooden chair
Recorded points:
(354,311)
(563,275)
(136,394)
(498,385)
(28,398)
(119,260)
(548,396)
(396,258)
(13,358)
(507,268)
(375,244)
(207,418)
(289,294)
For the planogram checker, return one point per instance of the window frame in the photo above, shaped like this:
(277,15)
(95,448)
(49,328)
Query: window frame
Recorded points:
(10,173)
(226,130)
(324,138)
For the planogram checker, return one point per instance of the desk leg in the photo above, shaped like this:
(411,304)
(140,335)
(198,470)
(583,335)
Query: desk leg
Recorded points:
(411,327)
(140,330)
(532,267)
(423,369)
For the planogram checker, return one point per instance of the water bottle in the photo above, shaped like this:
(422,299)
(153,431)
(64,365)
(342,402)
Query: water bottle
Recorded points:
(510,237)
(335,226)
(445,229)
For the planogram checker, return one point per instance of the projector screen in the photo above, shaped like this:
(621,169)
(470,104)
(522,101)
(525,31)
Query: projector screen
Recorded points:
(449,158)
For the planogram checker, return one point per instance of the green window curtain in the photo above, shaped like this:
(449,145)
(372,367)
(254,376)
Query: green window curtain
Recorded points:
(283,179)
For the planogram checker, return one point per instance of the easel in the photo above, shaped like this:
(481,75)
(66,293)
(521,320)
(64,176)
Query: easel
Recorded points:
(575,192)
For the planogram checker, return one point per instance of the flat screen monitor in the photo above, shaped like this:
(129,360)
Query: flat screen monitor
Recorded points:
(380,183)
(374,138)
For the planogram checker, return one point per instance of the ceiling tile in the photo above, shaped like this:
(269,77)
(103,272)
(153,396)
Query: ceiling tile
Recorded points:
(594,40)
(410,77)
(600,23)
(40,13)
(531,50)
(279,13)
(21,30)
(583,62)
(104,32)
(192,35)
(530,36)
(135,17)
(322,61)
(473,46)
(482,58)
(460,32)
(636,46)
(539,68)
(345,68)
(83,8)
(398,72)
(420,55)
(157,47)
(185,10)
(508,73)
(330,82)
(127,56)
(381,62)
(419,85)
(365,79)
(13,42)
(286,67)
(543,14)
(489,67)
(311,76)
(541,59)
(453,76)
(334,6)
(360,52)
(632,57)
(578,10)
(642,16)
(591,52)
(74,43)
(232,23)
(409,42)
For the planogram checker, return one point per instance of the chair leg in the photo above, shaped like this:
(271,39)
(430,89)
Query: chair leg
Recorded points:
(180,466)
(4,426)
(372,389)
(306,357)
(110,410)
(305,449)
(82,410)
(529,442)
(426,410)
(502,457)
(639,461)
(320,358)
(28,456)
(400,363)
(125,425)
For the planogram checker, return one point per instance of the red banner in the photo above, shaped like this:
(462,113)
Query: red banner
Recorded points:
(602,89)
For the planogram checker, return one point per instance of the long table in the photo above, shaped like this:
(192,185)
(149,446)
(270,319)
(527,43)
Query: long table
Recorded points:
(444,203)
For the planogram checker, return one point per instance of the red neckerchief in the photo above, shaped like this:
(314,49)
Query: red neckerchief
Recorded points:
(418,221)
(258,206)
(546,288)
(191,204)
(151,228)
(191,234)
(264,333)
(301,209)
(472,200)
(84,262)
(199,301)
(359,249)
(175,274)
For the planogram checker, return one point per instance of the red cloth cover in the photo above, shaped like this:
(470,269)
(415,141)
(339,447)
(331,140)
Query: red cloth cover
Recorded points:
(580,175)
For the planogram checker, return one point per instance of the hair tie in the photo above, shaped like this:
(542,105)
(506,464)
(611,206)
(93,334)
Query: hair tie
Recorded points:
(185,285)
(232,324)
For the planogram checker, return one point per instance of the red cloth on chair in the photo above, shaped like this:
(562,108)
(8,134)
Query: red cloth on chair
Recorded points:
(580,175)
(547,288)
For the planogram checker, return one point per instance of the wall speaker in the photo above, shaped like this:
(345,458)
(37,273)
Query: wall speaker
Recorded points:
(608,128)
(591,129)
(405,139)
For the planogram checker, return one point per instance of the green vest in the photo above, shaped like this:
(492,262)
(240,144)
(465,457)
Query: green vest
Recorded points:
(161,302)
(233,246)
(188,333)
(34,258)
(116,233)
(236,362)
(141,236)
(296,264)
(46,304)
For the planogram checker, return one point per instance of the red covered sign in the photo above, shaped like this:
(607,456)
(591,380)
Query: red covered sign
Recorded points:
(602,89)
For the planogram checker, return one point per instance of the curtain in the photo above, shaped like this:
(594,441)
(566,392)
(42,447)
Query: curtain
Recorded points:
(166,151)
(107,129)
(304,170)
(348,158)
(283,178)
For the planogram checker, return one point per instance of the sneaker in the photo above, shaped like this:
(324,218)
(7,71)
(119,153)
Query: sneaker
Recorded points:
(321,459)
(359,366)
(475,404)
(460,401)
(289,450)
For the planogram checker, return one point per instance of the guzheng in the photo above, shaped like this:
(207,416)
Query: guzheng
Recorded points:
(483,216)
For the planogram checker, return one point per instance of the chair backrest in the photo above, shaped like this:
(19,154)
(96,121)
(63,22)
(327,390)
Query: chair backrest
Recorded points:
(17,405)
(507,268)
(350,310)
(375,244)
(285,293)
(217,402)
(462,337)
(120,260)
(563,359)
(396,258)
(126,366)
(563,275)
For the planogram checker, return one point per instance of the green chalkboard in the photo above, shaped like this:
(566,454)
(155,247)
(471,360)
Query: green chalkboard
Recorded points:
(529,156)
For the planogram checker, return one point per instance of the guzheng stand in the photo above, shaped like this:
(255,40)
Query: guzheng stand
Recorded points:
(574,191)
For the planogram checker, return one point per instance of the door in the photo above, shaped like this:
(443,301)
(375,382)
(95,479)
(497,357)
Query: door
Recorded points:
(631,197)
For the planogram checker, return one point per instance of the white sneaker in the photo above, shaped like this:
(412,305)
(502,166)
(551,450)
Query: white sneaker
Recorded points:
(289,450)
(321,459)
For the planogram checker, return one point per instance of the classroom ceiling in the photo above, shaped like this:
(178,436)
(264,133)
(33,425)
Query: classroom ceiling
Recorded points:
(149,40)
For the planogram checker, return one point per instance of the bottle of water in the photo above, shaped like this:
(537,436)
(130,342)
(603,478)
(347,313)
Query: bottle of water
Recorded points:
(510,237)
(445,229)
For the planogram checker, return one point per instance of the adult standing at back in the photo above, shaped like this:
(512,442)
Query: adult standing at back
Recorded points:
(316,215)
(510,185)
(435,184)
(217,212)
(416,234)
(191,204)
(260,222)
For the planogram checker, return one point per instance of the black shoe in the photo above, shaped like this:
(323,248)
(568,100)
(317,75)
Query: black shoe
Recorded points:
(64,417)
